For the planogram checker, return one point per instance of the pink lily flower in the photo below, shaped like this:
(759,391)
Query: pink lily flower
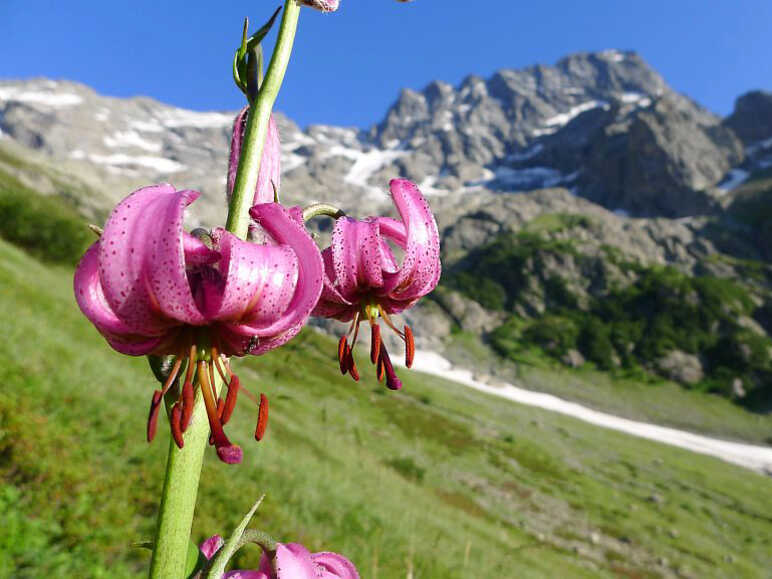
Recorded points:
(269,176)
(150,287)
(289,561)
(322,5)
(364,281)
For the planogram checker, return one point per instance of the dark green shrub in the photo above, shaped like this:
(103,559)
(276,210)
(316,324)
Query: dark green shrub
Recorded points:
(45,226)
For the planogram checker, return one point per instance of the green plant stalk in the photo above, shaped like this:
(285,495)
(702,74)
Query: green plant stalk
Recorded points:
(257,124)
(183,468)
(178,499)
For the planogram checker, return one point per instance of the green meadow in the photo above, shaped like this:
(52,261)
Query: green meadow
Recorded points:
(434,481)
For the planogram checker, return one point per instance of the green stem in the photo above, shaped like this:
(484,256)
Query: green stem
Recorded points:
(257,124)
(325,209)
(183,468)
(178,500)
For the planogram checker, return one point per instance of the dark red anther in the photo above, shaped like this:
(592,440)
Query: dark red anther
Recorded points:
(342,359)
(375,343)
(392,381)
(352,367)
(152,419)
(262,418)
(174,421)
(230,399)
(409,346)
(188,399)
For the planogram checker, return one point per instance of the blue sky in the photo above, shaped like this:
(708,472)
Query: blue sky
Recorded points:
(348,67)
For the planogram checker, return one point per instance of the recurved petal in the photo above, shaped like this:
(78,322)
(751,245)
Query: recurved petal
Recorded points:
(356,256)
(196,252)
(278,222)
(239,339)
(293,561)
(259,280)
(142,260)
(334,565)
(211,546)
(92,302)
(420,269)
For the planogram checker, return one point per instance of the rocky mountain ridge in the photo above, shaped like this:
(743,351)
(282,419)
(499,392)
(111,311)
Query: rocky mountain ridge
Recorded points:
(596,152)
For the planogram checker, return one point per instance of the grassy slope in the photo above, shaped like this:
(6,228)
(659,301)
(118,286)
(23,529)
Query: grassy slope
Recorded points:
(436,478)
(658,401)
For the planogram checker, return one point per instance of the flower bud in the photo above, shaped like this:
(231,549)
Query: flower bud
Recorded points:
(323,5)
(270,164)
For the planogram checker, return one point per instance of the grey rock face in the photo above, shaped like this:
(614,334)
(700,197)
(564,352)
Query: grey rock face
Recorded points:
(660,160)
(751,119)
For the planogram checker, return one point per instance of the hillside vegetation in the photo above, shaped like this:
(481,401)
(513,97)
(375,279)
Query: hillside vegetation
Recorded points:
(647,322)
(435,480)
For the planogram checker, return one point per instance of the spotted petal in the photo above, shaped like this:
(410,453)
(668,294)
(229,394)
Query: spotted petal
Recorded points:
(420,269)
(259,280)
(142,261)
(356,256)
(284,229)
(92,302)
(332,565)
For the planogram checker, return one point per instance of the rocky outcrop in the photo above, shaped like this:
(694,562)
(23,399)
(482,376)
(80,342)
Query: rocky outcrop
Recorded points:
(751,119)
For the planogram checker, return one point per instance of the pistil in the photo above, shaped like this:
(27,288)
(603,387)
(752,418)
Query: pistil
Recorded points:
(227,451)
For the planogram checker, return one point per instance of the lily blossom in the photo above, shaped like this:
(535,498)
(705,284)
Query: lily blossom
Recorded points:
(363,280)
(289,561)
(269,176)
(150,287)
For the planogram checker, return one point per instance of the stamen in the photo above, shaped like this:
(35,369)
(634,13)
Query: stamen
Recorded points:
(219,365)
(174,421)
(409,346)
(375,343)
(352,367)
(220,408)
(389,323)
(356,329)
(380,368)
(188,400)
(230,399)
(354,324)
(262,418)
(152,419)
(342,358)
(155,403)
(228,452)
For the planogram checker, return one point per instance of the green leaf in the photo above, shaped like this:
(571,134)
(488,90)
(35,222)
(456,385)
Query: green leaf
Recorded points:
(195,561)
(227,551)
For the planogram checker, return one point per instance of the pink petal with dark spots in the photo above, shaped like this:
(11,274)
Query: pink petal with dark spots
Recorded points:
(142,261)
(259,280)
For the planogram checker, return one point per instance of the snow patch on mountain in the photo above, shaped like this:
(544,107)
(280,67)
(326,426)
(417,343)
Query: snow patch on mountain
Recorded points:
(121,139)
(50,99)
(734,178)
(120,160)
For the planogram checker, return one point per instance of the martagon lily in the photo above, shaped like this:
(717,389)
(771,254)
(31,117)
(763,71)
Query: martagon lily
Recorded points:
(289,561)
(150,287)
(364,281)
